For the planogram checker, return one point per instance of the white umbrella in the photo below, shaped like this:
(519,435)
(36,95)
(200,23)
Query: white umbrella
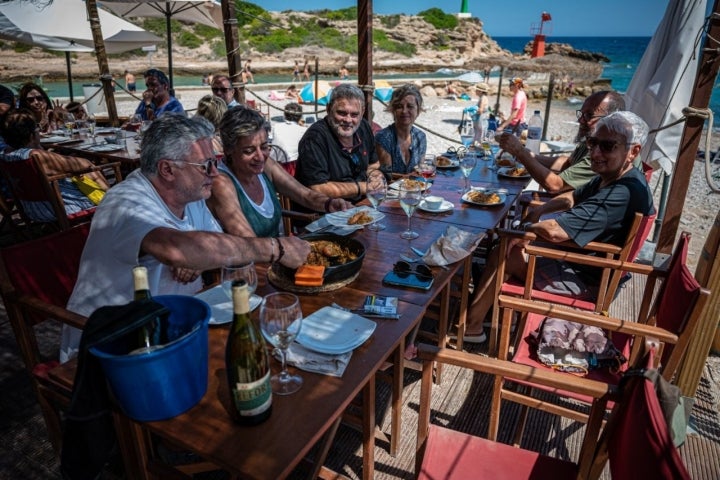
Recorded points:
(63,26)
(206,12)
(471,77)
(663,82)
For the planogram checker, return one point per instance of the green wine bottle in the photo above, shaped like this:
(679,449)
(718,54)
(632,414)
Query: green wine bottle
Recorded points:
(147,335)
(247,362)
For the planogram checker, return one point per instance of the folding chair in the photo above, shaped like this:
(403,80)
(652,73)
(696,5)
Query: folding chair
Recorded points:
(636,439)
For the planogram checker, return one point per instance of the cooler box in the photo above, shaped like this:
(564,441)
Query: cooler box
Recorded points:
(166,382)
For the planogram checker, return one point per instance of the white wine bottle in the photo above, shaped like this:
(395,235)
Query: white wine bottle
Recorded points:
(147,335)
(247,362)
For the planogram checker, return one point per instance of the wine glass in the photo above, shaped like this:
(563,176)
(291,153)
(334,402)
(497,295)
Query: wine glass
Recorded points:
(91,123)
(409,199)
(135,123)
(426,168)
(467,164)
(376,193)
(69,123)
(490,148)
(231,272)
(280,321)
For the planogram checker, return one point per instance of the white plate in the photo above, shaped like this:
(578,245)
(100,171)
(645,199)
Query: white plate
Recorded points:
(334,331)
(396,185)
(502,196)
(104,147)
(53,139)
(221,306)
(444,207)
(340,219)
(504,172)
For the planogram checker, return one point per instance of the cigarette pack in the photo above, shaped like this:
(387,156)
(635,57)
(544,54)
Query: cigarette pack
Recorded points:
(381,305)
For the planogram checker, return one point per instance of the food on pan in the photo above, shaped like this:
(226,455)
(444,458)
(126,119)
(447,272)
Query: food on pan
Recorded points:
(482,197)
(309,275)
(360,218)
(325,253)
(442,161)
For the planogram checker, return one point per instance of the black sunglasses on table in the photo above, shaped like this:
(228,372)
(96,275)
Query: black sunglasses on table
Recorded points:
(402,269)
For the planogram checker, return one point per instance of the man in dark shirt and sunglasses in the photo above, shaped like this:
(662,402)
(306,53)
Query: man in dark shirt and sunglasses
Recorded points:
(563,173)
(222,87)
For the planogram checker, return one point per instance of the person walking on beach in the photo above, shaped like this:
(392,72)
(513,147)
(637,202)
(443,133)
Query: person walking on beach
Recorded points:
(222,87)
(296,72)
(306,71)
(516,120)
(130,84)
(247,75)
(567,172)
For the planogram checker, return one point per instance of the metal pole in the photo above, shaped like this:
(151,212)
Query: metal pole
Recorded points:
(548,102)
(69,74)
(500,80)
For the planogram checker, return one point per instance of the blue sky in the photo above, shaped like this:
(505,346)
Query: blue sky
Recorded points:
(572,18)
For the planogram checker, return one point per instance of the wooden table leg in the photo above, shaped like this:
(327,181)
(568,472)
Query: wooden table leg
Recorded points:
(397,389)
(368,429)
(324,449)
(443,325)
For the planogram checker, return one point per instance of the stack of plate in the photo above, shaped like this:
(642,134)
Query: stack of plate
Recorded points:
(334,331)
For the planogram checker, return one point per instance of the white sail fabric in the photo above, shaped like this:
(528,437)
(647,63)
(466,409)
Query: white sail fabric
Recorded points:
(663,82)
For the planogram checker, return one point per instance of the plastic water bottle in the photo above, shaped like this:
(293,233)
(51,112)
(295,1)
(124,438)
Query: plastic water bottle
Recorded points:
(534,134)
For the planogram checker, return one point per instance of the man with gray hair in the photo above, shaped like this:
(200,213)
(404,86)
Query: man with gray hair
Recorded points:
(567,172)
(602,210)
(336,153)
(157,217)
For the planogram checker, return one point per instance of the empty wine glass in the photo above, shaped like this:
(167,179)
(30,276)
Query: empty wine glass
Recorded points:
(376,193)
(280,321)
(230,273)
(91,123)
(409,200)
(467,164)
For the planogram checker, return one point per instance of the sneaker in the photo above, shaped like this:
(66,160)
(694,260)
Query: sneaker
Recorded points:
(476,338)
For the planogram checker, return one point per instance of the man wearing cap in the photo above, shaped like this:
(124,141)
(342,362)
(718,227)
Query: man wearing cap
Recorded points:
(568,172)
(222,87)
(156,99)
(516,119)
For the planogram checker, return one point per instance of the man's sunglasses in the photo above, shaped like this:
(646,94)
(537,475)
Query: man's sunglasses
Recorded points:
(606,146)
(587,116)
(402,269)
(205,166)
(221,90)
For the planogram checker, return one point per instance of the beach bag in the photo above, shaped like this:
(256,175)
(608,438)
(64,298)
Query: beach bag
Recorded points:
(575,348)
(90,188)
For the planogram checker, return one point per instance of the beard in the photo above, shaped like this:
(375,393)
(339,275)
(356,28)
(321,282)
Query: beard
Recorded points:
(342,129)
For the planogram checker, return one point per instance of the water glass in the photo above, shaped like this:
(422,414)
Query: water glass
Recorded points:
(376,193)
(467,164)
(409,200)
(69,124)
(280,322)
(91,124)
(232,272)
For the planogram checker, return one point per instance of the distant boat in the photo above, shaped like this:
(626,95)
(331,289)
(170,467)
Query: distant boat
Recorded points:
(574,100)
(445,71)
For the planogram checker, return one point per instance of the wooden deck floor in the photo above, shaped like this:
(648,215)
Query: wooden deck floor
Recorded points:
(460,402)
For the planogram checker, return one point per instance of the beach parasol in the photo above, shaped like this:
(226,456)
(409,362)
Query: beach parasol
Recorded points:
(471,77)
(63,26)
(206,12)
(307,94)
(383,90)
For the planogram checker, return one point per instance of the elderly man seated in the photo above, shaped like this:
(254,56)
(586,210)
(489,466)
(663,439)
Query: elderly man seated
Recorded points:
(602,210)
(336,153)
(567,172)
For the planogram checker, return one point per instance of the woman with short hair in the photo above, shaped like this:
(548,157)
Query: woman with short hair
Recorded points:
(401,145)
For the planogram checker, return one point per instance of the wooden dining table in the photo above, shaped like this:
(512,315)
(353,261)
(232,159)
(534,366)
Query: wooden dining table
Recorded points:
(80,144)
(310,416)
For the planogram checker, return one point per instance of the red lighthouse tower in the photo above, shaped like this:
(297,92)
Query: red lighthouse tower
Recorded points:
(538,49)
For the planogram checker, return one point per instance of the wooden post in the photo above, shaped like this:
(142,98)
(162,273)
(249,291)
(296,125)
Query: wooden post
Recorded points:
(232,47)
(105,76)
(365,57)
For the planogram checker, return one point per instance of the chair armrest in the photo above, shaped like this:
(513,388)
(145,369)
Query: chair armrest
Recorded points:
(588,318)
(35,305)
(594,261)
(516,371)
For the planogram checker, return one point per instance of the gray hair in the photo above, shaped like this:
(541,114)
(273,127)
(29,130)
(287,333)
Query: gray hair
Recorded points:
(626,123)
(240,122)
(170,138)
(212,108)
(403,91)
(346,91)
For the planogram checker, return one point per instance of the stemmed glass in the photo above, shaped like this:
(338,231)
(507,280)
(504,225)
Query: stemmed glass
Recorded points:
(69,123)
(280,320)
(409,200)
(487,145)
(426,168)
(376,193)
(230,273)
(90,122)
(467,164)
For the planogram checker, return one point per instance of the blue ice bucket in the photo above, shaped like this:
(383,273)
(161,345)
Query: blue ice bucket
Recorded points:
(162,383)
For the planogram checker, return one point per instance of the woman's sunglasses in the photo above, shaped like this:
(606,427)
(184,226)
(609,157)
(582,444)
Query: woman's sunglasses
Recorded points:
(402,269)
(606,146)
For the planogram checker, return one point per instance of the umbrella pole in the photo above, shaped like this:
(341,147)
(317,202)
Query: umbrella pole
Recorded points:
(105,76)
(169,47)
(317,64)
(500,80)
(69,74)
(365,70)
(548,102)
(232,48)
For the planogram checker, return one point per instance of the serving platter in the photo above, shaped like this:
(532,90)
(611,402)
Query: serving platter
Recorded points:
(468,198)
(340,219)
(507,173)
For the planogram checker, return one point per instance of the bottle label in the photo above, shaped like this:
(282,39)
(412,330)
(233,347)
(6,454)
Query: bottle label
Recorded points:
(534,133)
(253,398)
